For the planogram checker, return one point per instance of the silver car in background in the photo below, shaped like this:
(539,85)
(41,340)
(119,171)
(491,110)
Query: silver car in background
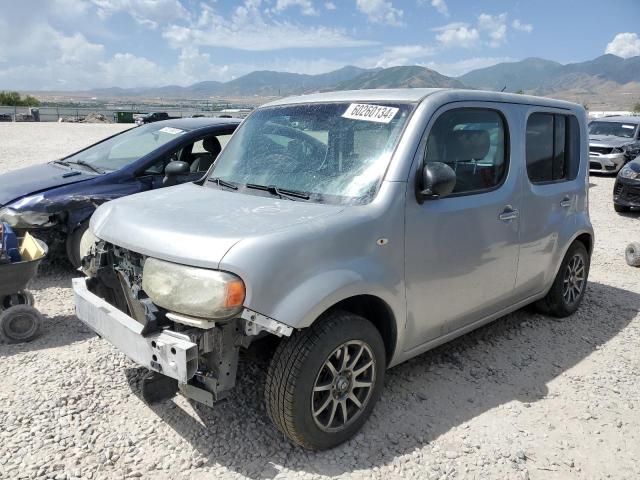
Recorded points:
(357,230)
(613,141)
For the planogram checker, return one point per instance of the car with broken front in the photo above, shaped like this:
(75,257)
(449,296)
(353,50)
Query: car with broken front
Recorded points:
(613,141)
(55,200)
(349,232)
(626,190)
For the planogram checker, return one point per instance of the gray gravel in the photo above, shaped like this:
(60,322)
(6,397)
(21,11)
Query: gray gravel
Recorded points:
(525,397)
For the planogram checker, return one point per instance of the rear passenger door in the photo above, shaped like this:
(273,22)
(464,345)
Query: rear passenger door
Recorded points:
(462,250)
(552,194)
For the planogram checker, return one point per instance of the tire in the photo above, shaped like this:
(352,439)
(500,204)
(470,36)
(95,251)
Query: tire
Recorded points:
(25,297)
(301,362)
(73,245)
(621,208)
(570,284)
(20,323)
(632,254)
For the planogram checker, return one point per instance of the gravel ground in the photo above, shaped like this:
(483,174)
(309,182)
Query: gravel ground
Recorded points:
(525,397)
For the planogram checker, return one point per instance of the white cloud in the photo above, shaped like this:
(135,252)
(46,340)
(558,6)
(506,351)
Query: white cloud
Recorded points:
(624,45)
(247,29)
(400,55)
(146,12)
(457,35)
(380,11)
(306,6)
(495,26)
(329,5)
(523,27)
(440,6)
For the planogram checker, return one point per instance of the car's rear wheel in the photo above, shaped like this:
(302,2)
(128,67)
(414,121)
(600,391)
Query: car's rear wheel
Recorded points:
(570,284)
(621,208)
(324,381)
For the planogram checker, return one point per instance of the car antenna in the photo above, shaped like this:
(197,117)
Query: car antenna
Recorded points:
(503,89)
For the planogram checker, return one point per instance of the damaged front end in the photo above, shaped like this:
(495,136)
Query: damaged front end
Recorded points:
(157,329)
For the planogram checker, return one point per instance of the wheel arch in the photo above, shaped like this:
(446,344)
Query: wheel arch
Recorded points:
(376,311)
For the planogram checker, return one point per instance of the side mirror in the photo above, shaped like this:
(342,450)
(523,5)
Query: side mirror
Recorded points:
(172,170)
(176,167)
(437,180)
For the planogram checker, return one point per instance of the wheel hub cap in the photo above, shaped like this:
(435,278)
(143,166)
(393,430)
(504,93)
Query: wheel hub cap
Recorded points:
(343,386)
(574,279)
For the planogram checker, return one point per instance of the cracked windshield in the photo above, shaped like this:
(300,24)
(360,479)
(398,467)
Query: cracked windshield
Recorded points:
(336,153)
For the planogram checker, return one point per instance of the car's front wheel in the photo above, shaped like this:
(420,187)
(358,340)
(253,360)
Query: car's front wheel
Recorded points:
(566,293)
(74,244)
(324,381)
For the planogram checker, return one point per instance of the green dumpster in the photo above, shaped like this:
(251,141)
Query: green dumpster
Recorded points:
(124,117)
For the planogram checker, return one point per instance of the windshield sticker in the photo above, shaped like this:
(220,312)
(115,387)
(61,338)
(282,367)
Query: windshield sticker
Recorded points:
(171,130)
(370,113)
(631,127)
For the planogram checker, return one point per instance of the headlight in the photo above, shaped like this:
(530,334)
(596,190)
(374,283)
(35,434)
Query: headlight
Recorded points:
(629,172)
(192,291)
(617,150)
(25,219)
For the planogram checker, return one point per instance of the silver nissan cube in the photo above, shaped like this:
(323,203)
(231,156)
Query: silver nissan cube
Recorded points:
(355,230)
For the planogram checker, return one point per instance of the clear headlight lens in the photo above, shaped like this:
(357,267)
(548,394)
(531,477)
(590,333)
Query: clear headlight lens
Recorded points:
(628,172)
(192,291)
(24,219)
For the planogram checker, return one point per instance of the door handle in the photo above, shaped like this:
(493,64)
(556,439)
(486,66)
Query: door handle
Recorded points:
(509,213)
(566,202)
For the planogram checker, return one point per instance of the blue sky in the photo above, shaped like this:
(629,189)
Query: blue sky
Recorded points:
(78,44)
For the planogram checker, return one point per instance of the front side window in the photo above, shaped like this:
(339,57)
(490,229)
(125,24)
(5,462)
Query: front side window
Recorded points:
(333,152)
(552,144)
(473,142)
(127,147)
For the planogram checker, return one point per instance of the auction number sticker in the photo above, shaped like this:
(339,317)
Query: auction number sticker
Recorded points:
(171,130)
(370,113)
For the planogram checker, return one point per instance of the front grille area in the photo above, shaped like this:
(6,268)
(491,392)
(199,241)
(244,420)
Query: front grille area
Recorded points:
(600,150)
(627,193)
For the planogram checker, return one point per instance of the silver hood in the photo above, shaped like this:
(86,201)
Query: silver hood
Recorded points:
(609,141)
(195,225)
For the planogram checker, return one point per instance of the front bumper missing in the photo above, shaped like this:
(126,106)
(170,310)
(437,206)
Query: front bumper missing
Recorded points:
(166,352)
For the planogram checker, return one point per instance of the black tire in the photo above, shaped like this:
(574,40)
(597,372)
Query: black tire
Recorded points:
(301,361)
(25,297)
(632,254)
(621,208)
(73,245)
(20,323)
(556,303)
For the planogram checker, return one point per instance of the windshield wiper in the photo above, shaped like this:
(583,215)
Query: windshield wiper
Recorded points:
(281,192)
(89,166)
(222,183)
(62,162)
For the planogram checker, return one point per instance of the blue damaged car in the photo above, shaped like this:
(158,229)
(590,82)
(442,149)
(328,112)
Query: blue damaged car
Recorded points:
(55,200)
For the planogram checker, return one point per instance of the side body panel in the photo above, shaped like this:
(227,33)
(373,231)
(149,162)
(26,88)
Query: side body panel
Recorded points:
(461,258)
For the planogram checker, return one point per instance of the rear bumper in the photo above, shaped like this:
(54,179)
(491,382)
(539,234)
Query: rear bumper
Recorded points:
(610,163)
(166,352)
(626,193)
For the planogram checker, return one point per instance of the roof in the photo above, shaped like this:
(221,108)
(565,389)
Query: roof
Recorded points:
(619,118)
(415,95)
(198,122)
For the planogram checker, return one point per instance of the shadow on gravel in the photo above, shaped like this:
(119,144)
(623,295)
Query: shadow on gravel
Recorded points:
(511,359)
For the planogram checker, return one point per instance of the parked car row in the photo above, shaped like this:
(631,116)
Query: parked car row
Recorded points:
(356,229)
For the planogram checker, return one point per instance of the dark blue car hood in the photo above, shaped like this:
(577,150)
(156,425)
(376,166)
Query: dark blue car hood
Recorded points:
(37,178)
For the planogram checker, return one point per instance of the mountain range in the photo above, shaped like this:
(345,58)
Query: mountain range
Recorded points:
(604,76)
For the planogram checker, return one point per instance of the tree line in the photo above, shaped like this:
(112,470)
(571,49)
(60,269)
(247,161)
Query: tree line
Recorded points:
(14,99)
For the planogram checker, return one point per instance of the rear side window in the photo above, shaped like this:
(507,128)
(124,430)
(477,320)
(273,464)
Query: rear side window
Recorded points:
(473,142)
(552,144)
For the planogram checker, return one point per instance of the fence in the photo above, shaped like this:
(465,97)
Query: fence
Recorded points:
(57,113)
